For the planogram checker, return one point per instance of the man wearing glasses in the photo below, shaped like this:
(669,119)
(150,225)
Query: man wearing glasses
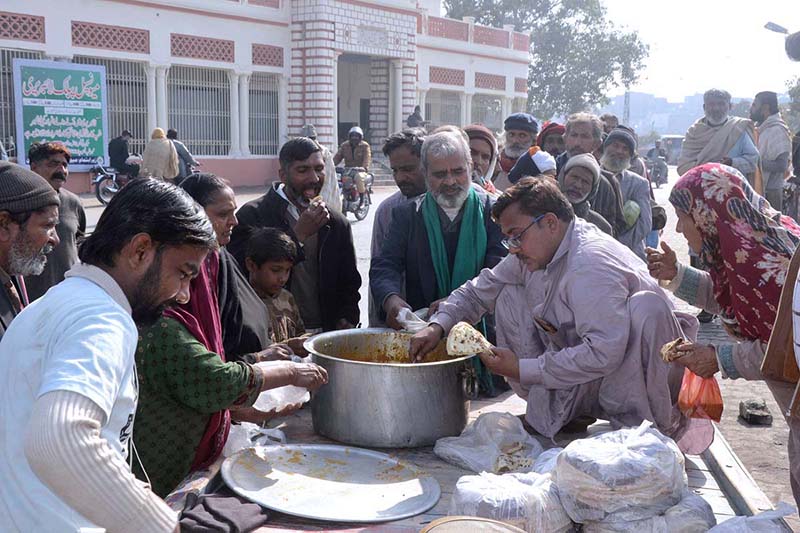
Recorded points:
(580,323)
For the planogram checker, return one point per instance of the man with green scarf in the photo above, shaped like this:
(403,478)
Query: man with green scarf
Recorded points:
(442,239)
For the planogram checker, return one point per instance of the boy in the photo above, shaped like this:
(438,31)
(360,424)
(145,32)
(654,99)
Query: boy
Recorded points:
(269,259)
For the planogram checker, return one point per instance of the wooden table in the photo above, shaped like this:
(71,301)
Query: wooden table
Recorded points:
(717,475)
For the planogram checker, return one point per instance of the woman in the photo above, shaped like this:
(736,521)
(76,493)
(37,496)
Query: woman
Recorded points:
(245,319)
(160,159)
(747,247)
(188,392)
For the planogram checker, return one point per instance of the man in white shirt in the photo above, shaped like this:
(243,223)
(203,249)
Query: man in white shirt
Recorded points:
(68,388)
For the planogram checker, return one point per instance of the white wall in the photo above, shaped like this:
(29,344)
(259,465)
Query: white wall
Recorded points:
(353,85)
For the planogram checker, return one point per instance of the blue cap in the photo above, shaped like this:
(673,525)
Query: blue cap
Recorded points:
(521,121)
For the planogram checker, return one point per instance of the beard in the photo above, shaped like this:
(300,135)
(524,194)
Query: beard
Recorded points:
(515,150)
(24,259)
(145,307)
(716,119)
(452,199)
(615,164)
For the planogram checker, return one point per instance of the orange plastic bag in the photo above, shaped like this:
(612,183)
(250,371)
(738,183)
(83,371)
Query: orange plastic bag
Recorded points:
(700,397)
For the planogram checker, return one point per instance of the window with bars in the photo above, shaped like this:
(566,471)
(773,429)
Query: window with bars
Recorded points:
(126,83)
(264,114)
(199,107)
(487,110)
(8,122)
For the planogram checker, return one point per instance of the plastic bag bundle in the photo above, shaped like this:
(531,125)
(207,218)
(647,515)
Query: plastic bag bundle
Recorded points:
(281,397)
(620,476)
(495,442)
(700,397)
(528,501)
(760,523)
(546,462)
(692,515)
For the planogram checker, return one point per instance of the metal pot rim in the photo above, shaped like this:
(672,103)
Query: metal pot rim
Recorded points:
(309,346)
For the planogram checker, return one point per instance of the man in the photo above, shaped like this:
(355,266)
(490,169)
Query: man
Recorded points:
(67,406)
(28,218)
(567,359)
(551,138)
(483,151)
(610,122)
(439,240)
(403,150)
(583,134)
(325,282)
(118,155)
(51,161)
(656,151)
(719,138)
(330,189)
(520,138)
(415,119)
(774,145)
(618,149)
(579,183)
(356,153)
(185,158)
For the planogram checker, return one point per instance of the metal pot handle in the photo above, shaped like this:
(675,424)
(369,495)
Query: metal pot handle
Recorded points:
(469,382)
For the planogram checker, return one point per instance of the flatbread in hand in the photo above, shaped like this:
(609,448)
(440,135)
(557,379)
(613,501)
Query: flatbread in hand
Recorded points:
(669,351)
(466,340)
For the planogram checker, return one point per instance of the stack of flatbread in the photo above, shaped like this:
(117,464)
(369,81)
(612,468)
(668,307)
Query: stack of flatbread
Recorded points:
(515,457)
(466,340)
(669,352)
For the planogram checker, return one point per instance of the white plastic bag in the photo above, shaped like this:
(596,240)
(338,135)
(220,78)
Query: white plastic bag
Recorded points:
(245,435)
(281,397)
(528,501)
(760,523)
(691,515)
(495,442)
(546,462)
(620,476)
(412,321)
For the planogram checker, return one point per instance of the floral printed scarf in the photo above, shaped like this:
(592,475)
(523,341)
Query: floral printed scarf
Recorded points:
(747,245)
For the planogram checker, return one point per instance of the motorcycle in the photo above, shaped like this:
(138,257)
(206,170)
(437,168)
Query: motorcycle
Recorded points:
(107,182)
(657,168)
(351,200)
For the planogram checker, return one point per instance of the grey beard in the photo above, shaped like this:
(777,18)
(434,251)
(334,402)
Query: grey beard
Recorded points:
(22,262)
(712,122)
(452,202)
(615,164)
(514,151)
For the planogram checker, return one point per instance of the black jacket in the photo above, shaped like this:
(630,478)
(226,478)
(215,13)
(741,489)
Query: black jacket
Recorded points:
(118,152)
(339,280)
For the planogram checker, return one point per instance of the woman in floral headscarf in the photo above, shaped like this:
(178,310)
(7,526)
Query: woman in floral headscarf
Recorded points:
(747,247)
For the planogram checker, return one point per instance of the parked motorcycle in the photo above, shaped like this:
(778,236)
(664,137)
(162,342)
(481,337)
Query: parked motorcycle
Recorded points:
(107,182)
(351,200)
(658,171)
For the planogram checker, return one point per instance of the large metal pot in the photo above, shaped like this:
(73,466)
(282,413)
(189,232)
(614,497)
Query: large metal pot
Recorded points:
(391,403)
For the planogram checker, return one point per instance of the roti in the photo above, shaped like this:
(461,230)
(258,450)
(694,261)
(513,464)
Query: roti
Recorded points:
(466,340)
(668,351)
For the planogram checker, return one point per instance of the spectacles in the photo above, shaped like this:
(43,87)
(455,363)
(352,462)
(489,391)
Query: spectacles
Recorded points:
(514,240)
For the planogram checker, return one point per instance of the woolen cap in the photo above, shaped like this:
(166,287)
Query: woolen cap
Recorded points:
(22,190)
(623,135)
(479,131)
(521,121)
(585,161)
(550,127)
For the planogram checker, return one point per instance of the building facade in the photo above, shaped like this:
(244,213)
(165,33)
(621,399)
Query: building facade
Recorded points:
(237,78)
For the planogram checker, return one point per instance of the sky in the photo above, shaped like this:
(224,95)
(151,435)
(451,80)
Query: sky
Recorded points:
(699,44)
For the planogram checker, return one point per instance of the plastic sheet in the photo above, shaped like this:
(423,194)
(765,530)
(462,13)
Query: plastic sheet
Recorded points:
(245,435)
(546,462)
(692,515)
(760,523)
(528,501)
(620,476)
(495,442)
(412,320)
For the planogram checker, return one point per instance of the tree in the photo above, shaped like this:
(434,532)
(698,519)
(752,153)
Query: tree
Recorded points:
(791,111)
(577,54)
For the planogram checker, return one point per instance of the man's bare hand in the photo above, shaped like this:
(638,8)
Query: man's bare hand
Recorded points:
(309,376)
(296,345)
(434,307)
(699,358)
(501,361)
(311,220)
(276,352)
(424,342)
(392,306)
(662,265)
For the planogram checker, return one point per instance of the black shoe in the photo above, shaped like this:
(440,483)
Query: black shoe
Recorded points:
(705,317)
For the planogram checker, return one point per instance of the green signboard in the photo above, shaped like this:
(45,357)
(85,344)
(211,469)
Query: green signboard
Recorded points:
(64,102)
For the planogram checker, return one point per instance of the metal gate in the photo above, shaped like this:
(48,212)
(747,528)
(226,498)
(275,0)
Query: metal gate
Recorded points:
(8,120)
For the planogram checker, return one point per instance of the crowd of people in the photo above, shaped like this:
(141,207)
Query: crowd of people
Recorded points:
(143,342)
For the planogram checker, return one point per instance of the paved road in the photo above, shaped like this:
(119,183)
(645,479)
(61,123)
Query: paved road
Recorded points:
(763,450)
